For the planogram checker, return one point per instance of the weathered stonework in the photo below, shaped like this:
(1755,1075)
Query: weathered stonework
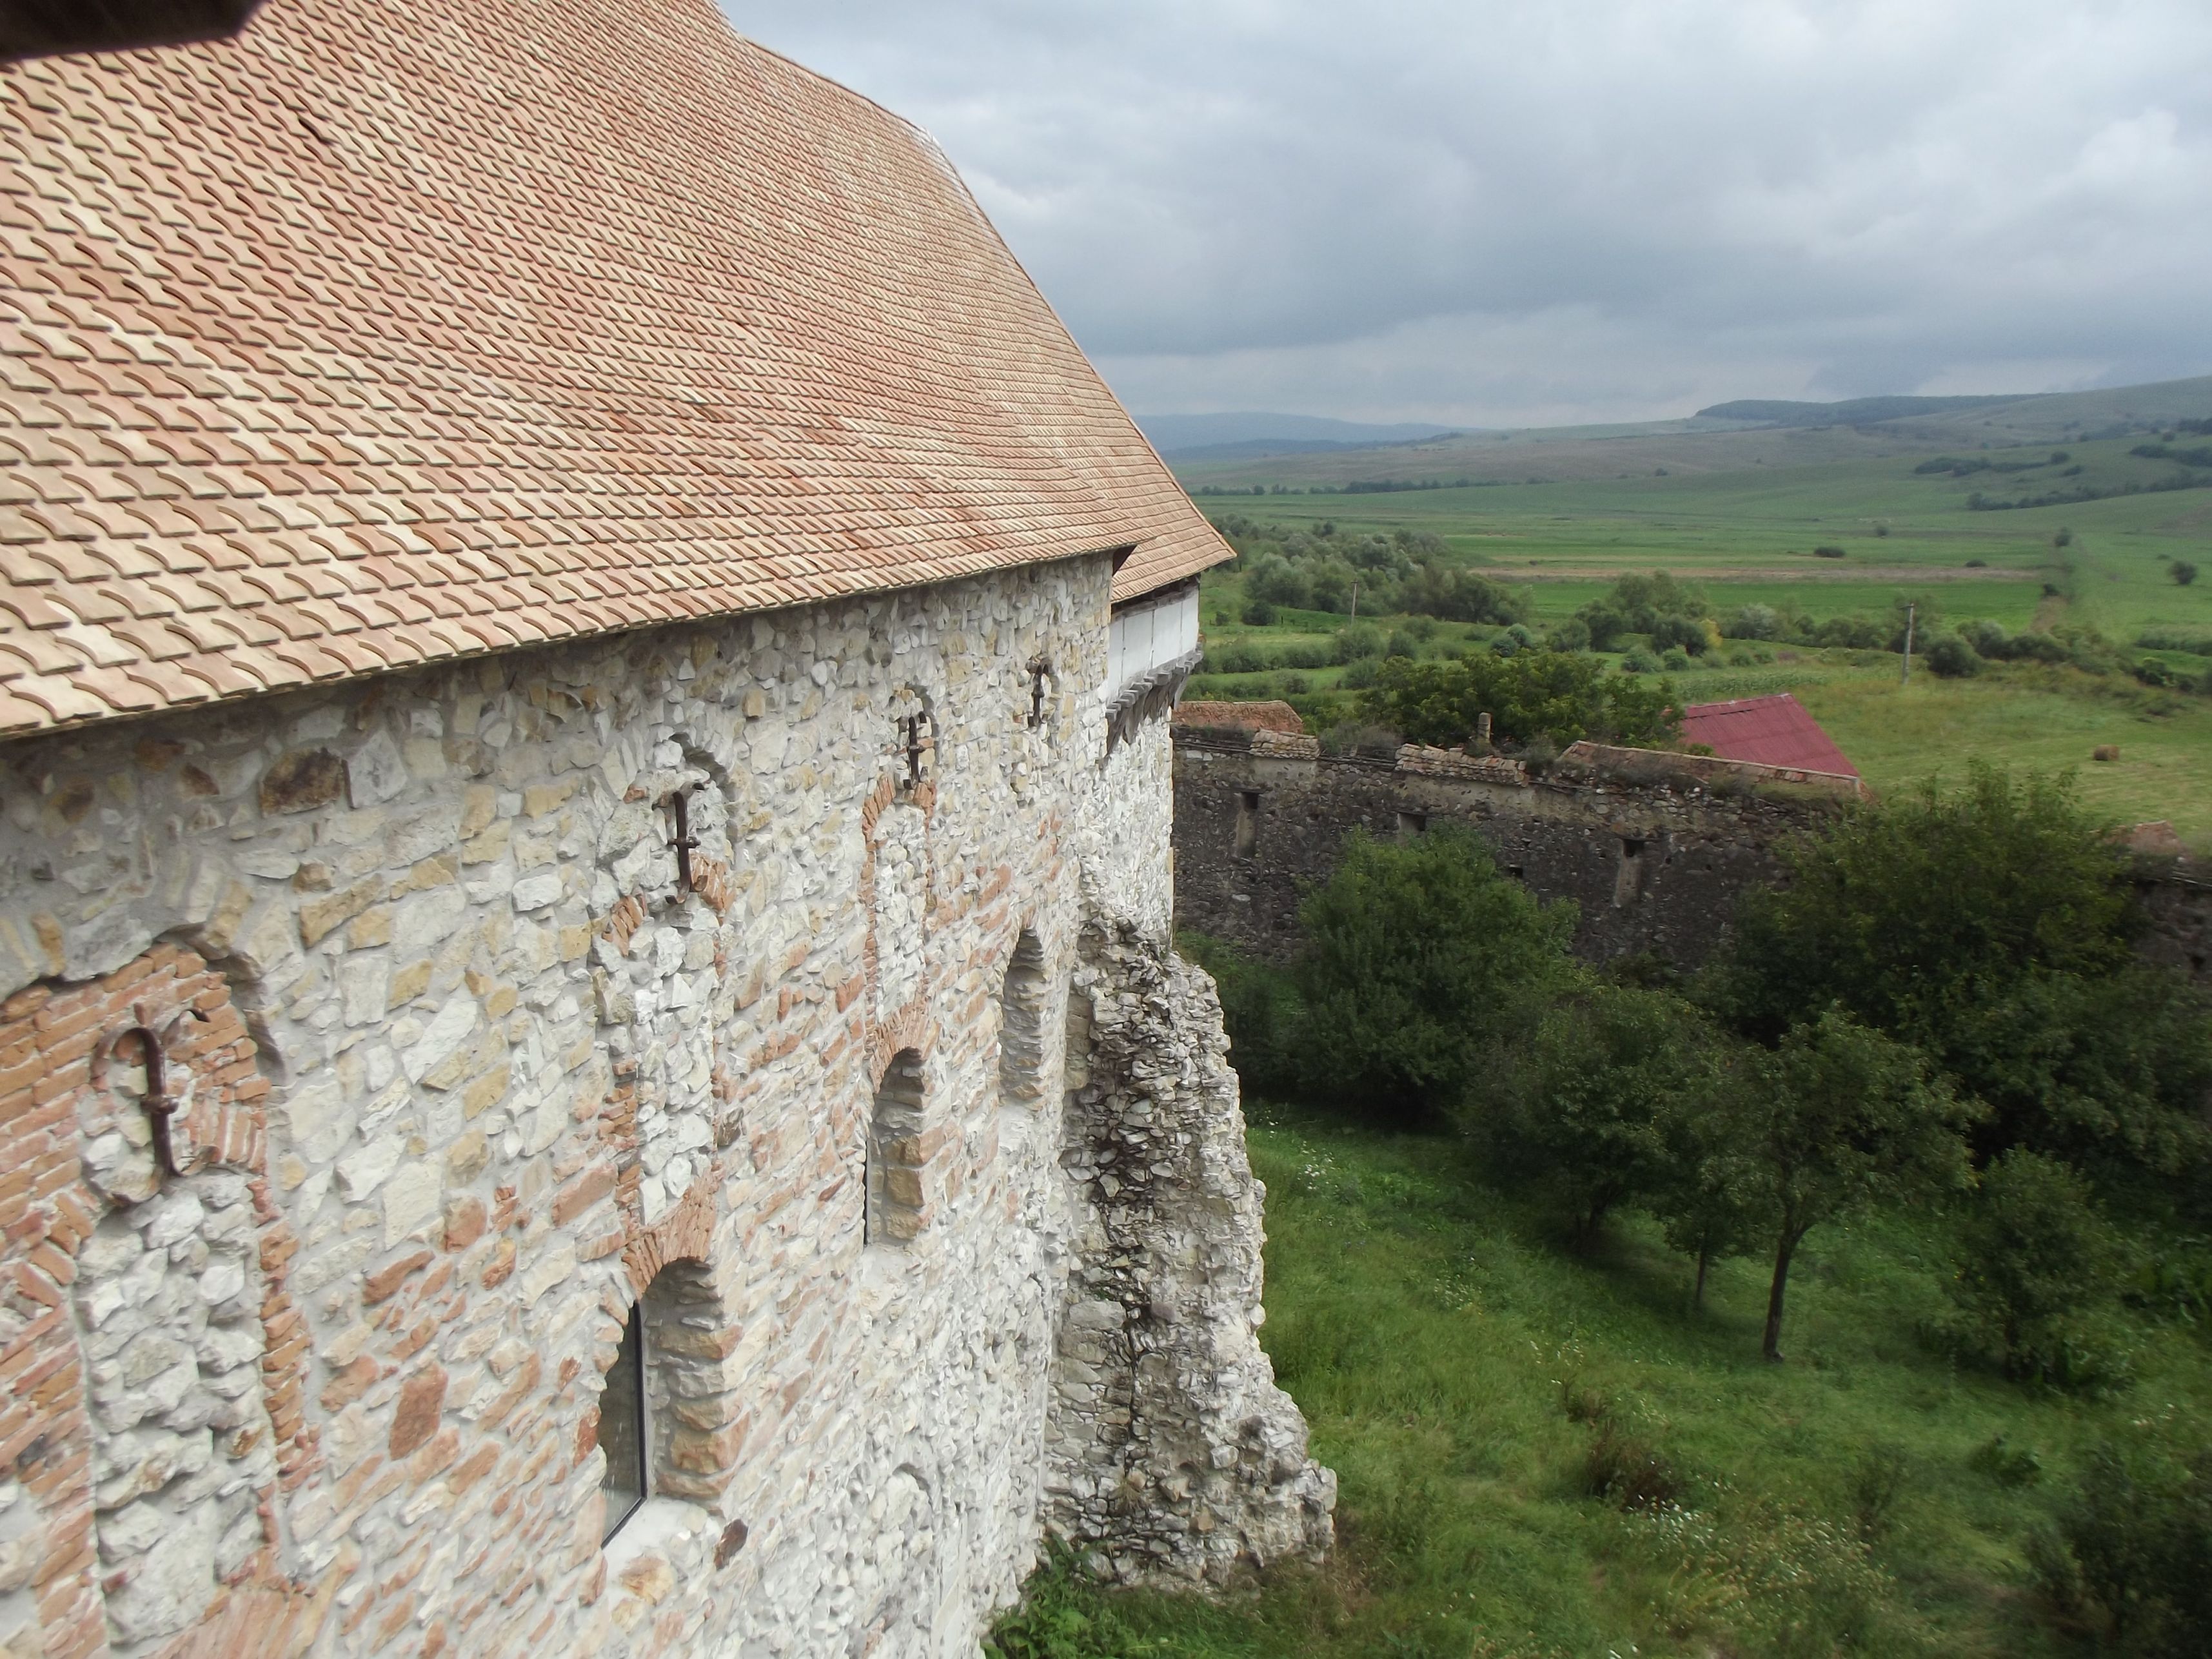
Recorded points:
(469,1064)
(1173,1453)
(1655,849)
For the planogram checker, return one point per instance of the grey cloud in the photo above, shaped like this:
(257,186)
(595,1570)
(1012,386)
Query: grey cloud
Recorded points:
(1584,207)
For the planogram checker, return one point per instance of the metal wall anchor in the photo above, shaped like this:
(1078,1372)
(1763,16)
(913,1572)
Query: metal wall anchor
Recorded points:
(160,1107)
(685,844)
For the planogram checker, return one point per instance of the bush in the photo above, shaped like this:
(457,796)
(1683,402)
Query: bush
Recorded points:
(1755,622)
(2182,571)
(1625,1469)
(1639,661)
(1359,641)
(1675,660)
(1992,927)
(1358,737)
(1952,659)
(1421,956)
(1401,644)
(1678,634)
(1260,614)
(1531,694)
(1358,676)
(1259,1010)
(1580,1121)
(1828,552)
(1304,655)
(2037,1267)
(2139,1530)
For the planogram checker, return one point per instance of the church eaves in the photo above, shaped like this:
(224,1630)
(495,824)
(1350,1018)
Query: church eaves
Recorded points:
(378,336)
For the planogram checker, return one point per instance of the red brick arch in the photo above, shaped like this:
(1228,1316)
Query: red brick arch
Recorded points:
(56,1041)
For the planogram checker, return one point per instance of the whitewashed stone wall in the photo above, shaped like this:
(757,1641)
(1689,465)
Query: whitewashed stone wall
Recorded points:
(519,1068)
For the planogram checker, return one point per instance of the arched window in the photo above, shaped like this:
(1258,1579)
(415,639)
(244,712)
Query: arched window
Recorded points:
(623,1433)
(663,1402)
(1021,1025)
(894,1154)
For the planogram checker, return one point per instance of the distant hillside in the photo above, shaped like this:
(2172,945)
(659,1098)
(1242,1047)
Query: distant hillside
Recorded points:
(1852,411)
(1726,438)
(1178,436)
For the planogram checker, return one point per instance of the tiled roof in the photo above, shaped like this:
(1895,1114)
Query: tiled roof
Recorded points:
(1772,731)
(382,335)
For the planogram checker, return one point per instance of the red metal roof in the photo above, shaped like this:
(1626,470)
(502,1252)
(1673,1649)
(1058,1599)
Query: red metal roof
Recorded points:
(1772,730)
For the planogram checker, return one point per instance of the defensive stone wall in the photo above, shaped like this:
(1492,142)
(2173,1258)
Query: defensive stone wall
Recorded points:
(1654,863)
(1654,848)
(374,1057)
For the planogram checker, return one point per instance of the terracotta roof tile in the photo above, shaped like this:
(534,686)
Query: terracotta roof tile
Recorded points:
(616,318)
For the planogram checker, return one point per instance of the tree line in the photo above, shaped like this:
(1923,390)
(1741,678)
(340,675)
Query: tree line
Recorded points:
(1940,1006)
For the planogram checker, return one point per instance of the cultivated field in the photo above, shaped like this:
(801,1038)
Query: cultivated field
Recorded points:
(1741,512)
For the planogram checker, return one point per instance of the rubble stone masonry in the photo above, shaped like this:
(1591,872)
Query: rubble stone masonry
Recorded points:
(467,1046)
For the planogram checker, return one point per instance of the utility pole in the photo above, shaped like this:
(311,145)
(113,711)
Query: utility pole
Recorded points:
(1906,677)
(1355,598)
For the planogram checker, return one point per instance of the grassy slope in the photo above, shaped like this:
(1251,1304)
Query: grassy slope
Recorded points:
(1431,1334)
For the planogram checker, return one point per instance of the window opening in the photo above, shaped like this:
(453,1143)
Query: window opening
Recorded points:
(1021,1025)
(893,1155)
(1248,822)
(622,1426)
(1412,823)
(1039,688)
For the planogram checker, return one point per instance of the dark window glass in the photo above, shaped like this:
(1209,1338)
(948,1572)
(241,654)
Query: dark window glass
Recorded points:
(622,1425)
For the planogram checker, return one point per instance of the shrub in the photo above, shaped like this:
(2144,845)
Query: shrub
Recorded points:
(2005,1464)
(1991,927)
(1755,622)
(1358,737)
(1880,1478)
(1952,659)
(1260,614)
(1259,1010)
(1639,661)
(1828,552)
(1625,1469)
(1580,1122)
(1531,694)
(1402,644)
(2182,571)
(1573,635)
(1305,655)
(2139,1530)
(1359,641)
(1675,660)
(1683,633)
(1421,955)
(2038,1265)
(1978,564)
(1358,676)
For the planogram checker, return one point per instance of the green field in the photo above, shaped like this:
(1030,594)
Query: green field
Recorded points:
(1442,1348)
(1741,513)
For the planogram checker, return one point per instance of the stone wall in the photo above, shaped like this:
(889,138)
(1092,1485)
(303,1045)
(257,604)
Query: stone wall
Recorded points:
(1653,865)
(1653,853)
(468,1061)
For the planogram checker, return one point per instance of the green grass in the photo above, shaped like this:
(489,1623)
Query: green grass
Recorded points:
(1745,529)
(1434,1336)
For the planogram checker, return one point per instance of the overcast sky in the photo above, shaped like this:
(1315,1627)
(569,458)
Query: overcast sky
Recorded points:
(1516,212)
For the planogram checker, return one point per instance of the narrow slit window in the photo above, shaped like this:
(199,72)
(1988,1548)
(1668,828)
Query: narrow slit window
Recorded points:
(1248,822)
(622,1426)
(1412,823)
